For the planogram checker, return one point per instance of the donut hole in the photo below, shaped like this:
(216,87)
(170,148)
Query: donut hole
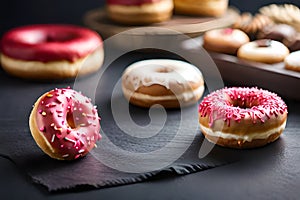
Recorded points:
(39,37)
(164,70)
(59,38)
(70,120)
(244,104)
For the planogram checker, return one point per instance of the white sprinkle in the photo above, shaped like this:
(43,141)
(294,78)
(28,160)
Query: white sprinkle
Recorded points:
(70,140)
(52,139)
(66,155)
(81,151)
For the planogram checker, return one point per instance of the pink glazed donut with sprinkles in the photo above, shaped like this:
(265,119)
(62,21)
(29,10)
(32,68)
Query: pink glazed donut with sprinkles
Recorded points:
(65,124)
(242,117)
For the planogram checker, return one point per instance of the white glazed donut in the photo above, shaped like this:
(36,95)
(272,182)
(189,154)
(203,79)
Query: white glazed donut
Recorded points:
(292,61)
(170,83)
(265,51)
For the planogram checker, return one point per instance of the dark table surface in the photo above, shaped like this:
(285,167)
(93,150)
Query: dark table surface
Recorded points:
(274,174)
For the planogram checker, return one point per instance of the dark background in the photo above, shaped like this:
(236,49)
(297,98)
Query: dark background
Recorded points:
(21,12)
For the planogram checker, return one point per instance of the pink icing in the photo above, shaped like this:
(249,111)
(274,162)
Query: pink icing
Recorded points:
(131,2)
(235,103)
(227,31)
(69,122)
(49,42)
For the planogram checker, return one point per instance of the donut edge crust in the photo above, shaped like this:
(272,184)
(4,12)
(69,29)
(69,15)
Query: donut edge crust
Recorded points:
(139,19)
(37,135)
(293,68)
(214,8)
(166,103)
(56,69)
(123,15)
(239,144)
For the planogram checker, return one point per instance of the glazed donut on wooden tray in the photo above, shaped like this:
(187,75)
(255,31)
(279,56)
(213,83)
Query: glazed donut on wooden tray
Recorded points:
(51,51)
(264,50)
(292,61)
(170,83)
(65,124)
(242,117)
(226,40)
(139,12)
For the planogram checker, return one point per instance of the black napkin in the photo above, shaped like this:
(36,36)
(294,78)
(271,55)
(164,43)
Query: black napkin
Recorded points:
(105,166)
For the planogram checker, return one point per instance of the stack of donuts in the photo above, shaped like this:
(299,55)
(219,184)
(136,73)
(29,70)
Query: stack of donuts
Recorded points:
(144,12)
(268,37)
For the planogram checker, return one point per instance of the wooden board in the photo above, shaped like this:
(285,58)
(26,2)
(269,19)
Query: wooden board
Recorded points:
(98,20)
(241,72)
(273,77)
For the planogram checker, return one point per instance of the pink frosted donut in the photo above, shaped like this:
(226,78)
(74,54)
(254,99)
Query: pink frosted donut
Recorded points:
(51,51)
(65,124)
(242,117)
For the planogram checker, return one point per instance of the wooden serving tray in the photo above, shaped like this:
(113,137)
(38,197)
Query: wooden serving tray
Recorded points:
(98,20)
(273,77)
